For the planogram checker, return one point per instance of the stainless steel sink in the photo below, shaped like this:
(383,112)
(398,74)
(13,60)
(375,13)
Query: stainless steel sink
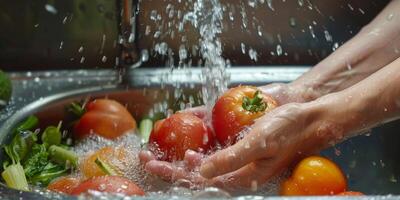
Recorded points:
(370,161)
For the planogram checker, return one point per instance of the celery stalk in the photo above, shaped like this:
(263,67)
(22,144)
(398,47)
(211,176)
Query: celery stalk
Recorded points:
(14,176)
(145,128)
(62,156)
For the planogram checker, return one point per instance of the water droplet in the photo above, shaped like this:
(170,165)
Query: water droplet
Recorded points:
(144,55)
(335,46)
(247,145)
(328,36)
(269,3)
(292,21)
(254,185)
(51,9)
(61,45)
(80,50)
(253,54)
(279,50)
(390,17)
(182,52)
(104,59)
(243,46)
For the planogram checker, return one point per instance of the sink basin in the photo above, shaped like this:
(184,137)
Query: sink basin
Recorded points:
(370,161)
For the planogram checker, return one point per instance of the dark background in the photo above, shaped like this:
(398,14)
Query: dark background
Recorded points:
(31,36)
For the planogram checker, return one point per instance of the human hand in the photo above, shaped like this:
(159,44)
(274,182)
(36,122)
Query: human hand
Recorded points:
(189,168)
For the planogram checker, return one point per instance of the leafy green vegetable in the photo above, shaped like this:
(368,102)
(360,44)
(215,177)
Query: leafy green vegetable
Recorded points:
(42,161)
(30,123)
(52,135)
(63,156)
(17,149)
(36,161)
(14,177)
(49,173)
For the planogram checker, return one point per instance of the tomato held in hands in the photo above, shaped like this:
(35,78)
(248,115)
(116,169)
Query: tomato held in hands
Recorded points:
(106,118)
(64,184)
(172,137)
(315,176)
(238,108)
(109,184)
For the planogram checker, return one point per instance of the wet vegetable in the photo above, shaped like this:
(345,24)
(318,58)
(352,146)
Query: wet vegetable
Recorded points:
(109,184)
(172,137)
(106,118)
(112,157)
(14,177)
(63,156)
(238,108)
(52,135)
(145,128)
(64,184)
(33,161)
(315,176)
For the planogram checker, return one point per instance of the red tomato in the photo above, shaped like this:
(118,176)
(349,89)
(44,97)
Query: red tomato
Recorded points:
(351,193)
(64,184)
(171,137)
(109,184)
(238,108)
(315,176)
(106,118)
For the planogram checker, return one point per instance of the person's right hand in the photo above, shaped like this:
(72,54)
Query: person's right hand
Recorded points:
(282,93)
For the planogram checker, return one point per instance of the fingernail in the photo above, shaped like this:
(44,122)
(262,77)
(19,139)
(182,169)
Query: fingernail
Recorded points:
(207,170)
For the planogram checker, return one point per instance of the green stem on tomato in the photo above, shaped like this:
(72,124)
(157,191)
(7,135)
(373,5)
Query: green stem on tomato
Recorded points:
(14,176)
(77,109)
(63,156)
(255,104)
(107,169)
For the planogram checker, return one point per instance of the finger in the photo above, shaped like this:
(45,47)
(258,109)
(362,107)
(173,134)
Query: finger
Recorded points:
(165,170)
(192,159)
(247,150)
(146,156)
(253,175)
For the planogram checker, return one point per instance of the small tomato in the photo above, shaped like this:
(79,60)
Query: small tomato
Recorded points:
(315,176)
(172,137)
(64,184)
(106,118)
(238,108)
